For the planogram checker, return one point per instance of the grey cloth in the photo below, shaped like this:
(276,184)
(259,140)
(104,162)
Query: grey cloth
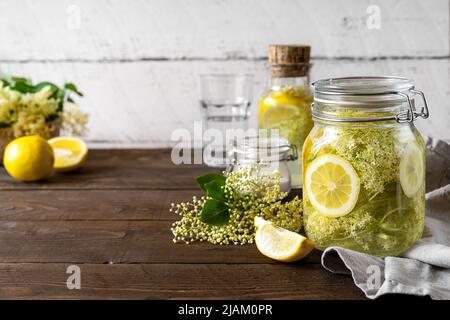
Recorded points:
(425,268)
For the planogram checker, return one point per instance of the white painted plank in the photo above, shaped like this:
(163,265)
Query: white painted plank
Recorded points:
(220,29)
(141,103)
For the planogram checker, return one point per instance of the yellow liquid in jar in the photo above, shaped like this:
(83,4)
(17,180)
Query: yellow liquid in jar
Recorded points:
(288,109)
(385,221)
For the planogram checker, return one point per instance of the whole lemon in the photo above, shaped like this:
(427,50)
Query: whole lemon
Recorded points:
(29,158)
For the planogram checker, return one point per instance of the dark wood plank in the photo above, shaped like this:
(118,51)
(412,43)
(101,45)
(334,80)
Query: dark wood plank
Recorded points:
(119,169)
(176,281)
(59,205)
(114,242)
(32,205)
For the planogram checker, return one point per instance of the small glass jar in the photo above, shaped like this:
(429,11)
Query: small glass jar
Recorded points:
(271,154)
(364,165)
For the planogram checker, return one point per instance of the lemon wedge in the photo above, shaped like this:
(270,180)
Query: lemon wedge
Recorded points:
(332,185)
(259,222)
(70,153)
(280,244)
(411,170)
(278,113)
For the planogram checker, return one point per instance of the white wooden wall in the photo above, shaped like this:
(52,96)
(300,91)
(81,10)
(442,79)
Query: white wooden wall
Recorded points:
(137,61)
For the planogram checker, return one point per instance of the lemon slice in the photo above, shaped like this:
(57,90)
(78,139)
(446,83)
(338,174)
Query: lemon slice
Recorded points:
(280,244)
(332,185)
(411,170)
(70,153)
(278,113)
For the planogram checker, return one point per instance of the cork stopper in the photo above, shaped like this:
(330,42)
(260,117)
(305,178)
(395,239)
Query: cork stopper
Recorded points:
(289,60)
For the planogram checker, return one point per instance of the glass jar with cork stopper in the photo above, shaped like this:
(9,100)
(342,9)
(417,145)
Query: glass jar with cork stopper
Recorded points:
(286,106)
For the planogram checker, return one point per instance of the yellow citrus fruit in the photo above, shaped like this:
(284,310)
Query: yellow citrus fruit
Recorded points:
(276,114)
(411,170)
(29,158)
(332,185)
(70,153)
(275,99)
(280,244)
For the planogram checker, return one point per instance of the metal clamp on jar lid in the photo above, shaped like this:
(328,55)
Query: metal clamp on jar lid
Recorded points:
(366,99)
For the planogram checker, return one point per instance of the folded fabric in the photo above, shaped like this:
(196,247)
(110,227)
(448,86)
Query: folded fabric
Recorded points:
(425,268)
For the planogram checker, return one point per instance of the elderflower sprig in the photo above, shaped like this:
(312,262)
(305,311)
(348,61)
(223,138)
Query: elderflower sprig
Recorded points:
(226,214)
(37,109)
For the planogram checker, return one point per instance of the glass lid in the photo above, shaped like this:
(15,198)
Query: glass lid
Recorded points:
(363,85)
(263,147)
(366,99)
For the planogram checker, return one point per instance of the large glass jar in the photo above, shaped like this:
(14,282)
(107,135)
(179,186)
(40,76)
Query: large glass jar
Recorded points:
(364,165)
(286,106)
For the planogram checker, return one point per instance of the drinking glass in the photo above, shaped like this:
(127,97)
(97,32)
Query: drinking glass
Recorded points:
(225,103)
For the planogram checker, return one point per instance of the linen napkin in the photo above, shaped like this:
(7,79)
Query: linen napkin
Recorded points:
(425,268)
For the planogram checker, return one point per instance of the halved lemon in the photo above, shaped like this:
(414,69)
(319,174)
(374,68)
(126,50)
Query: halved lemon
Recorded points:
(411,169)
(278,113)
(70,153)
(332,185)
(280,244)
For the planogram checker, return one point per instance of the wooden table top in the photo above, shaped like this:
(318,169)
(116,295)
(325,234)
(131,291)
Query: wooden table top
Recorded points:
(111,219)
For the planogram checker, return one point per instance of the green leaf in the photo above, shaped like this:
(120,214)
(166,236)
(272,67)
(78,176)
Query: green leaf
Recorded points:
(61,94)
(72,87)
(22,87)
(5,82)
(215,213)
(41,85)
(214,189)
(21,79)
(204,179)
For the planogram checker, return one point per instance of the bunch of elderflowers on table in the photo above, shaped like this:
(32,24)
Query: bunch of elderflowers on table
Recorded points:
(39,109)
(226,213)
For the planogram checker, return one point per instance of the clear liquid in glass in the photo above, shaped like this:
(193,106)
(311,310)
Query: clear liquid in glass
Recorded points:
(223,122)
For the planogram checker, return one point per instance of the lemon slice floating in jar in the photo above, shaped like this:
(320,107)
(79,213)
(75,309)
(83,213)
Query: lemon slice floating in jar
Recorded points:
(279,113)
(332,185)
(70,153)
(280,244)
(411,170)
